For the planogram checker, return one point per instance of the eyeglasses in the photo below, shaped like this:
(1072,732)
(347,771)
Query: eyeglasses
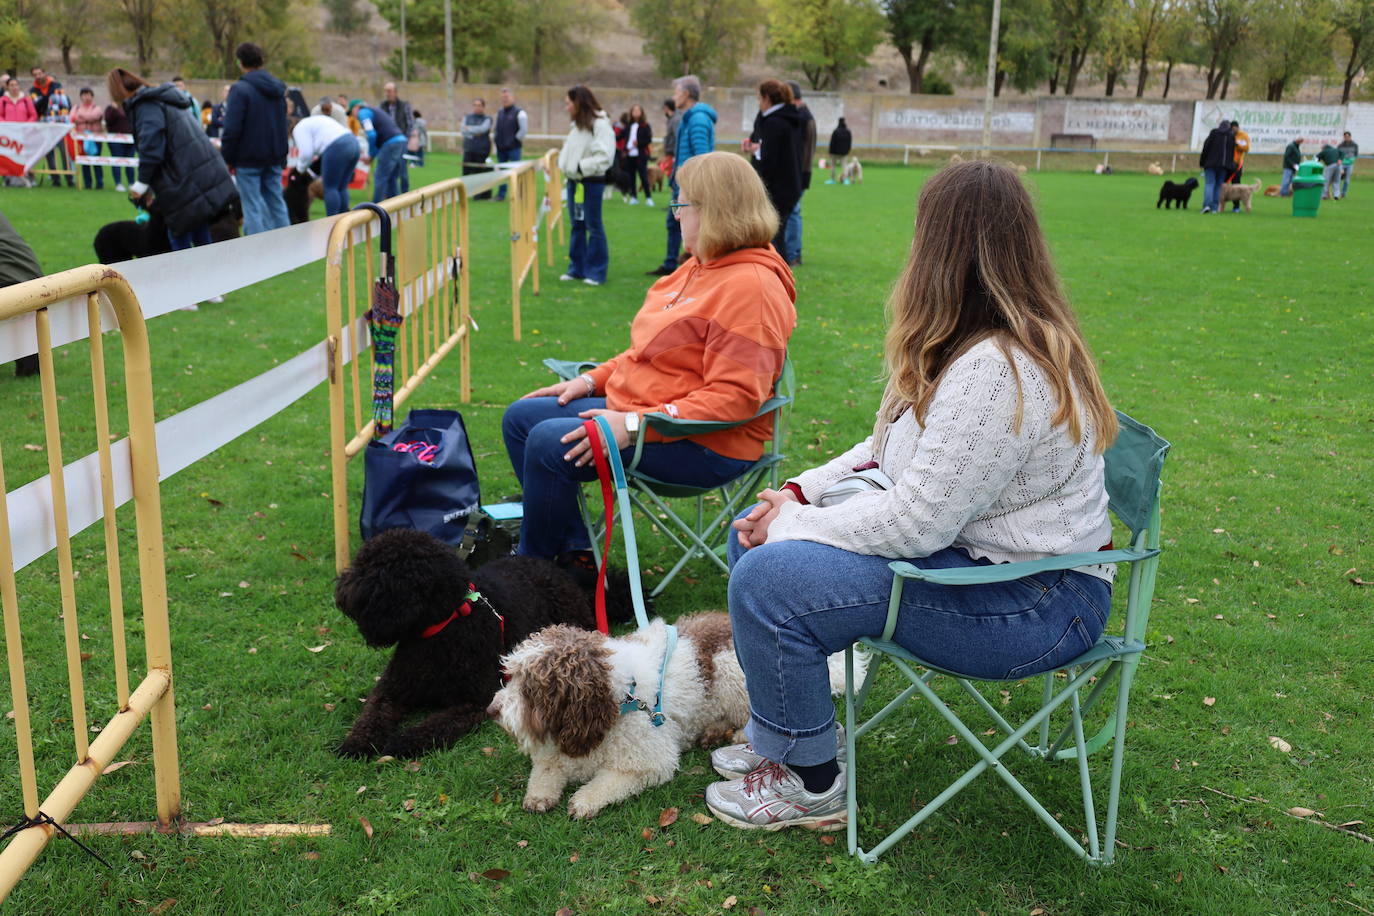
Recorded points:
(676,207)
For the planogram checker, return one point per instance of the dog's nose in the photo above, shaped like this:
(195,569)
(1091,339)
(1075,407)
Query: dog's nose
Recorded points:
(494,709)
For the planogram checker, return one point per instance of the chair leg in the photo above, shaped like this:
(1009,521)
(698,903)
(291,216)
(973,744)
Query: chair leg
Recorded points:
(1118,751)
(1084,779)
(850,721)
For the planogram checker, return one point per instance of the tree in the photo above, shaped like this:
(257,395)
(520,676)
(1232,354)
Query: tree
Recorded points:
(1024,44)
(17,48)
(827,39)
(1355,31)
(1077,25)
(698,36)
(1114,45)
(346,17)
(1144,21)
(1176,41)
(1226,23)
(919,27)
(477,45)
(142,16)
(1291,41)
(554,35)
(70,24)
(208,31)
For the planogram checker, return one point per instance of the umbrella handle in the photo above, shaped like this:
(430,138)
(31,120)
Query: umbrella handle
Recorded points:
(388,259)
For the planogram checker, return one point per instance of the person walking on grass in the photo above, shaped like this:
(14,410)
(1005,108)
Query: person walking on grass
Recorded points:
(992,427)
(806,149)
(696,135)
(1350,151)
(512,124)
(88,118)
(776,152)
(585,158)
(841,142)
(400,112)
(254,141)
(476,129)
(1242,140)
(1292,158)
(1217,160)
(639,138)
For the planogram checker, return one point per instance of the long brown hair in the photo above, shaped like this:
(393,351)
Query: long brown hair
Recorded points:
(979,268)
(122,84)
(585,107)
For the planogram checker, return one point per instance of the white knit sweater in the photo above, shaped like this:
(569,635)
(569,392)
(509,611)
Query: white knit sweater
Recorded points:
(966,478)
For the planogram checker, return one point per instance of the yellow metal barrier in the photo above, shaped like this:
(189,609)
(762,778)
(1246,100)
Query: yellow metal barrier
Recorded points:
(524,236)
(430,239)
(553,196)
(153,695)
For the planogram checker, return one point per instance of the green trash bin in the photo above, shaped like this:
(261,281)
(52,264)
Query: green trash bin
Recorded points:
(1307,189)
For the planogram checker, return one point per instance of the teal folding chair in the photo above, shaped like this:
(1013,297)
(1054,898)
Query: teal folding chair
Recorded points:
(1133,466)
(702,533)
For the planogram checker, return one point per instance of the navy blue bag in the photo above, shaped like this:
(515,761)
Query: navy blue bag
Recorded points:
(421,475)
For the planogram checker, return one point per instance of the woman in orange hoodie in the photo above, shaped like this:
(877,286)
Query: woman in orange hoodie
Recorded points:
(708,344)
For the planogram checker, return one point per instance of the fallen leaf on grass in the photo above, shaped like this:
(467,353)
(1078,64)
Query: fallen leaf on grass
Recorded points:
(729,902)
(667,817)
(1037,911)
(496,874)
(1299,811)
(163,907)
(30,447)
(311,856)
(1279,744)
(563,911)
(952,739)
(413,766)
(573,858)
(1209,701)
(115,766)
(320,648)
(408,804)
(367,826)
(496,797)
(702,819)
(489,752)
(652,900)
(1350,824)
(1356,580)
(523,843)
(646,834)
(361,790)
(827,839)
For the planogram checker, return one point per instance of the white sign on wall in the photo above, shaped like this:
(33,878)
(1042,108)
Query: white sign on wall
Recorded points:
(1359,120)
(1272,125)
(957,119)
(1118,120)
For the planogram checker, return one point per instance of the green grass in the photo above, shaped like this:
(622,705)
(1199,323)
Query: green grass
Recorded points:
(1243,339)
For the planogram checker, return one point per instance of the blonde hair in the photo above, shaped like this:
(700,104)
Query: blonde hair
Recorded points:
(731,203)
(979,268)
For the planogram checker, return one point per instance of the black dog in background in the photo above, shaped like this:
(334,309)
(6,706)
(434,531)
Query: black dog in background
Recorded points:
(1171,192)
(409,590)
(127,239)
(301,191)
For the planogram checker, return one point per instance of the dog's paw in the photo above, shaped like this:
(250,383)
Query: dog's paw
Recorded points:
(355,749)
(539,805)
(581,809)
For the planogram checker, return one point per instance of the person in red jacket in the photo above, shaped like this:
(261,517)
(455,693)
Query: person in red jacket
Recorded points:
(15,105)
(708,344)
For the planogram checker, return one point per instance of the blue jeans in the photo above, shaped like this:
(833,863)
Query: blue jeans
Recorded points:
(792,238)
(260,194)
(1346,172)
(532,428)
(386,169)
(1286,186)
(674,232)
(589,257)
(507,155)
(793,603)
(1211,197)
(93,176)
(125,150)
(197,237)
(337,163)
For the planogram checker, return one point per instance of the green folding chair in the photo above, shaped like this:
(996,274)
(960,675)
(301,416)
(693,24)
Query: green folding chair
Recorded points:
(1133,465)
(704,532)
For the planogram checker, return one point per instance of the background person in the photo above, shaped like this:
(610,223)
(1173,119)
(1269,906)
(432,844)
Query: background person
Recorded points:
(89,118)
(15,104)
(776,153)
(176,161)
(512,124)
(585,158)
(476,130)
(58,110)
(806,149)
(418,141)
(841,142)
(1350,151)
(215,126)
(696,135)
(254,141)
(639,138)
(1330,158)
(1292,158)
(385,146)
(1218,156)
(400,112)
(730,341)
(18,265)
(320,135)
(117,122)
(992,426)
(1242,141)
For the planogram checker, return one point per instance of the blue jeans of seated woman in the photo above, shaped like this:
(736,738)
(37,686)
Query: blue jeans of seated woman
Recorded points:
(589,258)
(532,428)
(793,603)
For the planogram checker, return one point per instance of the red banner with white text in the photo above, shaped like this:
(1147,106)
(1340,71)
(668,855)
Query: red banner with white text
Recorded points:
(23,143)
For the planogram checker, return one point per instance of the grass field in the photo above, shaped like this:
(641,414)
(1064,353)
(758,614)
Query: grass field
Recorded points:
(1244,339)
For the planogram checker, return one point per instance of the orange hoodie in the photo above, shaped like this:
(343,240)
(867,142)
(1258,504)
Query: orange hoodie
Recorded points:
(708,344)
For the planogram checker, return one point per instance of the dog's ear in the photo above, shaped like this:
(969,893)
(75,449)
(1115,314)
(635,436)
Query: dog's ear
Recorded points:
(400,582)
(567,690)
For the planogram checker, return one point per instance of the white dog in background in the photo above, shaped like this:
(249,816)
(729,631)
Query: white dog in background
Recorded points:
(563,706)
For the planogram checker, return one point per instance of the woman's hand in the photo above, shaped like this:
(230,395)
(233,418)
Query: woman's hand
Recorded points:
(567,391)
(752,529)
(581,452)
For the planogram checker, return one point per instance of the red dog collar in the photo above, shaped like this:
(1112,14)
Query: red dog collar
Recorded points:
(464,610)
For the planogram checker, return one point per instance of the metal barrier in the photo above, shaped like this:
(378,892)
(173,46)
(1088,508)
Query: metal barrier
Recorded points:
(553,201)
(153,694)
(524,236)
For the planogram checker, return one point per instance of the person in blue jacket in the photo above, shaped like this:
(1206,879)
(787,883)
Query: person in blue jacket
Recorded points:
(696,134)
(386,145)
(253,141)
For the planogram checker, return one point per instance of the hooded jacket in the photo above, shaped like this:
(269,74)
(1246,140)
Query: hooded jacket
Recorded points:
(588,153)
(254,134)
(841,141)
(708,344)
(1218,150)
(696,134)
(779,161)
(177,160)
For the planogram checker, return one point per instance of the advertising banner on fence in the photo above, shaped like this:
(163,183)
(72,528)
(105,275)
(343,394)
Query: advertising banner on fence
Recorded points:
(957,119)
(1272,125)
(23,143)
(1118,120)
(1359,120)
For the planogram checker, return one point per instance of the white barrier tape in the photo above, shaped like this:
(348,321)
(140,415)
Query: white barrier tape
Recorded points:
(103,138)
(106,160)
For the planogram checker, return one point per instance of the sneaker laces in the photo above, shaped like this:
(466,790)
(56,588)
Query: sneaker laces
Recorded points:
(764,775)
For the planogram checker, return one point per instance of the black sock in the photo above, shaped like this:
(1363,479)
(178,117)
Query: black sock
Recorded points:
(819,777)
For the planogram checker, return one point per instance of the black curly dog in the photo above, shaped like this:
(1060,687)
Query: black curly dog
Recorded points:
(1171,192)
(408,589)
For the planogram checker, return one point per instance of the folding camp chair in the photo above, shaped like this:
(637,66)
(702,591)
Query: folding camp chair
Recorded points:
(703,535)
(1133,465)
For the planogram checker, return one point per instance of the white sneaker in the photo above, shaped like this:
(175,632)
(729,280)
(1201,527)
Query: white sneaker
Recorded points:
(773,797)
(193,307)
(591,282)
(648,201)
(634,201)
(736,760)
(120,188)
(215,299)
(569,277)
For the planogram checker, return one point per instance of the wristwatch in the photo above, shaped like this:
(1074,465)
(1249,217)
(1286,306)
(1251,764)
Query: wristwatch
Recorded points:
(632,426)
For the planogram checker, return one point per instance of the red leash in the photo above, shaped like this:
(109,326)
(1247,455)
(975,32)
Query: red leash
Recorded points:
(603,471)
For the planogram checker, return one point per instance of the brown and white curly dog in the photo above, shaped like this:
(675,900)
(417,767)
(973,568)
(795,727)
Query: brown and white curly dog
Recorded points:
(566,707)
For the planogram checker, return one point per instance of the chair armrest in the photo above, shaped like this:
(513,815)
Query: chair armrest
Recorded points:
(569,369)
(1006,572)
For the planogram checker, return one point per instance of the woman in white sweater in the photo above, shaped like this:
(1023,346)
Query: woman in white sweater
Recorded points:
(991,430)
(584,160)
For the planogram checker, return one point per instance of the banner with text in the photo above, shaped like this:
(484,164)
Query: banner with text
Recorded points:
(957,119)
(1118,120)
(1272,125)
(23,143)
